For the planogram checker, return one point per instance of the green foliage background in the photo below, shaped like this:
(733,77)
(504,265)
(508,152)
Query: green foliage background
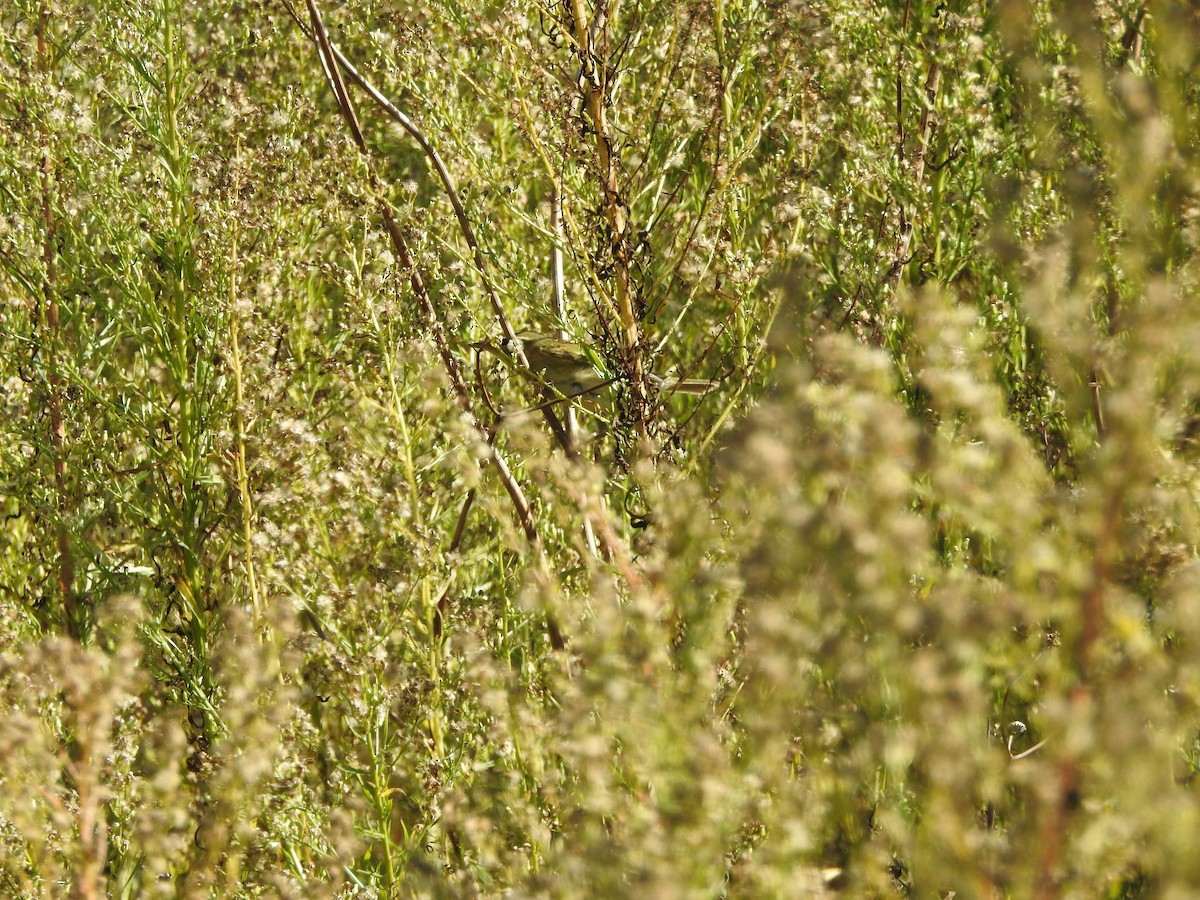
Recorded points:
(907,606)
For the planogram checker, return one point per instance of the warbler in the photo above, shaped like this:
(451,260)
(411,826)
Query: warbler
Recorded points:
(566,367)
(563,364)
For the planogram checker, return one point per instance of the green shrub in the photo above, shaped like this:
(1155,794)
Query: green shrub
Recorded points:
(297,600)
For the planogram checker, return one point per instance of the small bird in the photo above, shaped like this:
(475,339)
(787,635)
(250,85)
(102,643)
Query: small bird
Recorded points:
(566,367)
(563,364)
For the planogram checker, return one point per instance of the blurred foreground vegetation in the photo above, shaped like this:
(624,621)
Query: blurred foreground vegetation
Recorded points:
(294,601)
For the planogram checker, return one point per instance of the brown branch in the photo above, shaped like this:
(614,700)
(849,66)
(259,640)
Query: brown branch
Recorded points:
(901,255)
(1131,39)
(595,95)
(932,82)
(1067,796)
(1095,384)
(53,335)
